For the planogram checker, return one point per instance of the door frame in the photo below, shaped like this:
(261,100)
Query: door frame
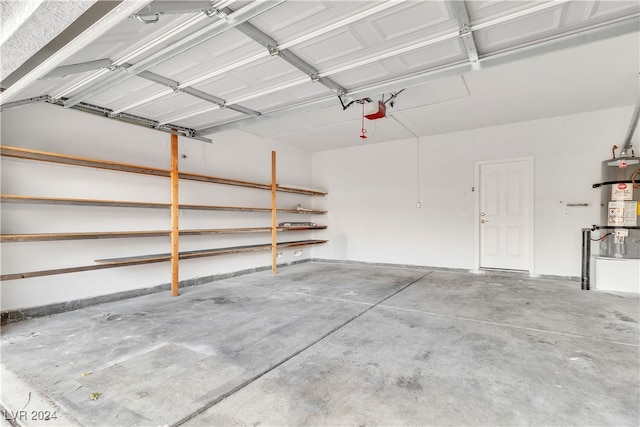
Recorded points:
(530,228)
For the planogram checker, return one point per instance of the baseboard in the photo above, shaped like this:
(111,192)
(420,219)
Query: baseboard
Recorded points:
(11,316)
(390,265)
(454,270)
(17,315)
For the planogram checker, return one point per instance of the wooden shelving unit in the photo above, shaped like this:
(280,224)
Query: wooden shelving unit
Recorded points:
(154,258)
(8,198)
(174,206)
(44,156)
(22,153)
(213,252)
(44,237)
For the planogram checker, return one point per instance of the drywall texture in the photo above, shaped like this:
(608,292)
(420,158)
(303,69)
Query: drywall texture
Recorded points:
(374,190)
(231,155)
(29,25)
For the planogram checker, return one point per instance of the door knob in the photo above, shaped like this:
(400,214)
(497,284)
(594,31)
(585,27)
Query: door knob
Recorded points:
(481,213)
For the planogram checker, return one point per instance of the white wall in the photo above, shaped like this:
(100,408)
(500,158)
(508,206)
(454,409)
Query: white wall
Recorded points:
(373,191)
(232,155)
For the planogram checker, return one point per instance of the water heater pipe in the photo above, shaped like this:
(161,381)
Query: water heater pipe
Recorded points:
(631,131)
(586,259)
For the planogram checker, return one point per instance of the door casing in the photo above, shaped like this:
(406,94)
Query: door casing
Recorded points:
(531,209)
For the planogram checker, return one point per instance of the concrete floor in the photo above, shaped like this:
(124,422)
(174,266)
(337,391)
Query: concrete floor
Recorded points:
(335,344)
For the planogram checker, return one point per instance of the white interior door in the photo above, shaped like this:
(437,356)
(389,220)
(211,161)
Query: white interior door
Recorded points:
(504,215)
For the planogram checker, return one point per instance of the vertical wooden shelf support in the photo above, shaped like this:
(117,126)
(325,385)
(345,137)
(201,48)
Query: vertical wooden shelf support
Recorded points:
(274,242)
(175,214)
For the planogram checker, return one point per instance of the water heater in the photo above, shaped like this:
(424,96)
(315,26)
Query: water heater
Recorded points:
(617,265)
(620,198)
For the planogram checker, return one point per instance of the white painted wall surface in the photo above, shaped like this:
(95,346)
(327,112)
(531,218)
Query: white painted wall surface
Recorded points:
(234,154)
(373,191)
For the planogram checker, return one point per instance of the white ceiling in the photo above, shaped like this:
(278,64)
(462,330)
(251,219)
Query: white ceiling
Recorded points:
(460,65)
(42,21)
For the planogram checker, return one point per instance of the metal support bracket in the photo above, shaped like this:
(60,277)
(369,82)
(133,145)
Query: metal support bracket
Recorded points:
(133,119)
(465,30)
(65,70)
(179,46)
(166,7)
(217,13)
(140,18)
(175,86)
(466,35)
(342,102)
(271,45)
(273,50)
(392,99)
(8,105)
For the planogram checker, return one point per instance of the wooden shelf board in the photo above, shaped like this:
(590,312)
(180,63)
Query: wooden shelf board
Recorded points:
(40,237)
(302,228)
(241,230)
(30,274)
(224,208)
(285,245)
(22,153)
(6,198)
(303,211)
(154,258)
(300,190)
(224,181)
(189,254)
(212,252)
